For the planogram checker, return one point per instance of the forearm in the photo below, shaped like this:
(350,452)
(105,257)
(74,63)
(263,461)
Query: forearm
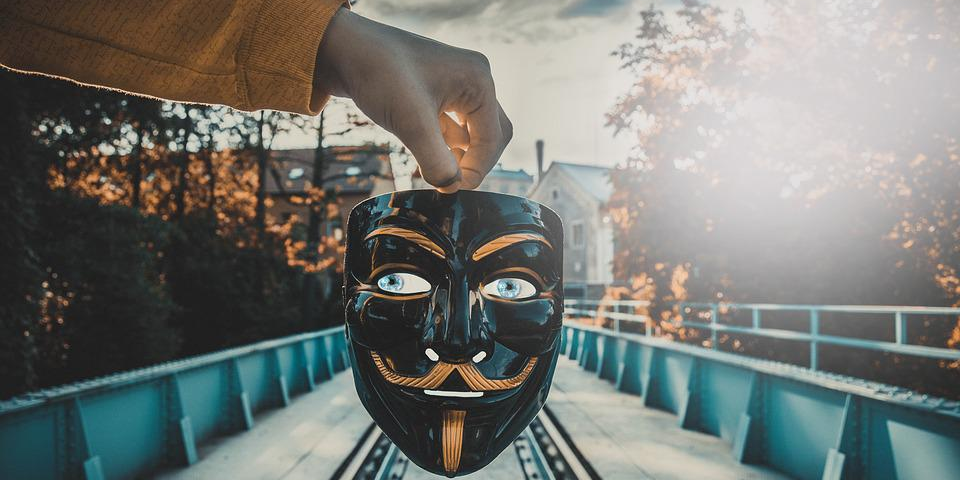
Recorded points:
(248,54)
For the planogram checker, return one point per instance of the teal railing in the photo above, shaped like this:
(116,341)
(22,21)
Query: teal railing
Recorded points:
(706,316)
(807,424)
(130,424)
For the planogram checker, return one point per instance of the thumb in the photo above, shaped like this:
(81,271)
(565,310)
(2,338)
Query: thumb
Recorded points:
(421,134)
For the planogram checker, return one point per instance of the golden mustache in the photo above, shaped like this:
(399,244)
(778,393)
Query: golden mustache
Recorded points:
(436,376)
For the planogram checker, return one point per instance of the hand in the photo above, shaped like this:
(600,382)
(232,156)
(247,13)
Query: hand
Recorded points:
(407,84)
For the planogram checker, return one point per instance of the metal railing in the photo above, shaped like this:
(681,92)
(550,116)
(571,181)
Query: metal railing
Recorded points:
(899,315)
(807,424)
(129,424)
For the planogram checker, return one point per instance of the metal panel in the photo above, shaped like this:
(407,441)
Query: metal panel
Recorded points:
(32,444)
(125,430)
(290,369)
(918,446)
(203,392)
(255,371)
(671,374)
(804,423)
(610,355)
(724,393)
(801,424)
(127,424)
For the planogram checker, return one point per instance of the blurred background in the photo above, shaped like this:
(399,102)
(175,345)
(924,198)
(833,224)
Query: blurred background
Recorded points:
(787,152)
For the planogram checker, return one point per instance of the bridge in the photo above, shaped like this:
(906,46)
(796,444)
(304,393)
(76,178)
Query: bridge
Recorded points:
(626,403)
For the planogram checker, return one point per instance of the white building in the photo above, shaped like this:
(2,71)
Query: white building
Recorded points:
(579,194)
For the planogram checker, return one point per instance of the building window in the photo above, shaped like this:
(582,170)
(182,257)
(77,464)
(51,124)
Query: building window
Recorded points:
(576,237)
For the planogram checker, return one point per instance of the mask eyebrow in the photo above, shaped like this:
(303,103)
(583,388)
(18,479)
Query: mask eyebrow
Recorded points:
(410,236)
(507,240)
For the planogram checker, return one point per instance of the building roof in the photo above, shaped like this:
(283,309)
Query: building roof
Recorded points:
(500,172)
(593,179)
(350,169)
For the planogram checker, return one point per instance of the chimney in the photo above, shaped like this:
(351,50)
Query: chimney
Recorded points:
(539,160)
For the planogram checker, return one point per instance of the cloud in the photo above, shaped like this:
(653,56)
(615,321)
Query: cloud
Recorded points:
(593,8)
(430,11)
(506,20)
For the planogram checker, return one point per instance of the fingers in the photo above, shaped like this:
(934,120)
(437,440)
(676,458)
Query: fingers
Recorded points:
(490,130)
(421,132)
(455,135)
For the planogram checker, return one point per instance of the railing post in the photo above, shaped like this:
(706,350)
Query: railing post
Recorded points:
(180,441)
(814,333)
(307,367)
(240,401)
(756,318)
(283,390)
(901,327)
(78,445)
(714,313)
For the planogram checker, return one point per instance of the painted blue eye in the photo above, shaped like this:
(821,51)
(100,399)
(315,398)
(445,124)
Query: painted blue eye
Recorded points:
(510,289)
(402,283)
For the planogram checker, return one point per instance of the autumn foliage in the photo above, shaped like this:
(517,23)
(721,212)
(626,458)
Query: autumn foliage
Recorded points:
(809,153)
(136,231)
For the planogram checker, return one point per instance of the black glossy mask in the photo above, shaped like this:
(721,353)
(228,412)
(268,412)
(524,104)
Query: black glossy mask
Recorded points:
(454,305)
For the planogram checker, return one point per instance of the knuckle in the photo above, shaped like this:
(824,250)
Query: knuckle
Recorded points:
(507,127)
(479,61)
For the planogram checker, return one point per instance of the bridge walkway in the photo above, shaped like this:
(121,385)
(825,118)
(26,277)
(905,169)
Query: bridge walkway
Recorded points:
(617,435)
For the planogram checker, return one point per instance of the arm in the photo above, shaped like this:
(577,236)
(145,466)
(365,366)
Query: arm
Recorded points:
(245,54)
(278,54)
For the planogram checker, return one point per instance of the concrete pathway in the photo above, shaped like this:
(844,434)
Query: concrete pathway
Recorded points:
(307,440)
(620,437)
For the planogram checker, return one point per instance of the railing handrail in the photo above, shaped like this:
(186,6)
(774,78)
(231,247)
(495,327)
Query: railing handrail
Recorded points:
(909,309)
(144,374)
(901,317)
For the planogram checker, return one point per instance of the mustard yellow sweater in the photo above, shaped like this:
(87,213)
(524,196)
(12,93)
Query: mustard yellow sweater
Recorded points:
(248,54)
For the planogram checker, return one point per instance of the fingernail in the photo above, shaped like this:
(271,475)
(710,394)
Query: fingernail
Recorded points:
(452,188)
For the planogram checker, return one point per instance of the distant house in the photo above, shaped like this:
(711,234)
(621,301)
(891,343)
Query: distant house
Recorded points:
(500,180)
(579,194)
(514,182)
(352,172)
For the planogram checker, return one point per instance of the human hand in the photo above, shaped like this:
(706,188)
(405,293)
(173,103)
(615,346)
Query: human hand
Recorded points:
(407,84)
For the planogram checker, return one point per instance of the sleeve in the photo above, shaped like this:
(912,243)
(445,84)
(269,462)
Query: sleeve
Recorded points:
(247,54)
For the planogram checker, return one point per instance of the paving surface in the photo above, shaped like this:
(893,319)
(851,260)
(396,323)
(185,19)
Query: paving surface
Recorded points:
(620,437)
(307,440)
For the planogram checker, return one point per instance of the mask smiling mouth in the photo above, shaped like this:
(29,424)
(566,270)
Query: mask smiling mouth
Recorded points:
(476,382)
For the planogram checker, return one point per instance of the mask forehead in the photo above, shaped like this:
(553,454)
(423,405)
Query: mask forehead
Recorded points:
(462,221)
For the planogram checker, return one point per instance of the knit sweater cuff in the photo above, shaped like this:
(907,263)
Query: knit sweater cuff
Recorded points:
(278,55)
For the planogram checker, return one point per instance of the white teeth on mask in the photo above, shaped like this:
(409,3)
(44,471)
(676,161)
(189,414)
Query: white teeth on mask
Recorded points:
(452,393)
(479,357)
(431,354)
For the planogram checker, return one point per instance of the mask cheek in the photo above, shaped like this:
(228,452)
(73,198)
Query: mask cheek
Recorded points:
(526,327)
(379,323)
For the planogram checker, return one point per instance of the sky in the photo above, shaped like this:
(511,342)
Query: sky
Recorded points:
(551,62)
(552,65)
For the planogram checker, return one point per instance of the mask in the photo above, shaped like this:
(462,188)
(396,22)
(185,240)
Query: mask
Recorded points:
(454,306)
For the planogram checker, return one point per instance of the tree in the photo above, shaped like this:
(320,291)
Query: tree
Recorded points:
(810,159)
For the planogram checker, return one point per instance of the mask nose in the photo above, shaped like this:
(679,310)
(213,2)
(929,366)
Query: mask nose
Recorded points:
(460,336)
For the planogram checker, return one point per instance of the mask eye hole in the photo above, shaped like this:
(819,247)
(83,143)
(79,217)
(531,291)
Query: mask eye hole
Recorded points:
(402,283)
(510,289)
